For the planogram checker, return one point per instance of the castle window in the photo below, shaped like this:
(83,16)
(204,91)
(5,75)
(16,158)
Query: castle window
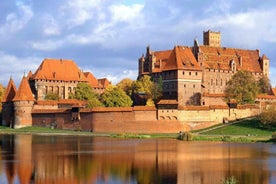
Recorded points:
(190,73)
(183,73)
(196,73)
(194,86)
(184,85)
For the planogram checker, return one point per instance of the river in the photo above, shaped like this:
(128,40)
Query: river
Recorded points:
(102,160)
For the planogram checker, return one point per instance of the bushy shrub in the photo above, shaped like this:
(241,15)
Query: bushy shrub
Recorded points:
(185,136)
(268,117)
(273,137)
(226,138)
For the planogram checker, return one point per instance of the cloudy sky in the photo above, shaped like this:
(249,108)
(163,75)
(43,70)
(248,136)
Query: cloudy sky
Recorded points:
(107,37)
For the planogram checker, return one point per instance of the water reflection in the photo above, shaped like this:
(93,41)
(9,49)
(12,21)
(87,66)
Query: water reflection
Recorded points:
(68,159)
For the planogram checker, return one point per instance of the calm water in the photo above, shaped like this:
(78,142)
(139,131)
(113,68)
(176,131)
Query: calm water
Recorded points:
(73,159)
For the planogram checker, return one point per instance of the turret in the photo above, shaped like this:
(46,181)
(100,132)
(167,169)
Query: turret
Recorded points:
(265,65)
(7,104)
(23,104)
(211,38)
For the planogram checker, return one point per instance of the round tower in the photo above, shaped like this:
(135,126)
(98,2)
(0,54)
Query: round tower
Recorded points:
(23,105)
(7,104)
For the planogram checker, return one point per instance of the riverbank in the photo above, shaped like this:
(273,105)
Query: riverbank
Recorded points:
(248,130)
(48,131)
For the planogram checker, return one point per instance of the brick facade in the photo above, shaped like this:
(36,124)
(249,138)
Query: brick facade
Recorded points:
(192,74)
(137,120)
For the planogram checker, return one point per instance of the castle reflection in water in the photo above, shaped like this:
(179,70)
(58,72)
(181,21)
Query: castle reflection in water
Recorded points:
(78,159)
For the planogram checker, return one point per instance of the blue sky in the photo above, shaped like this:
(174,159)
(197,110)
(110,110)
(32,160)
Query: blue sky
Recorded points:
(107,37)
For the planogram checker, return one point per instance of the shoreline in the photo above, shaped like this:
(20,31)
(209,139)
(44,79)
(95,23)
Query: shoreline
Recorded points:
(195,136)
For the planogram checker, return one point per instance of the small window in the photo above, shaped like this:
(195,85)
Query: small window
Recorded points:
(196,73)
(190,73)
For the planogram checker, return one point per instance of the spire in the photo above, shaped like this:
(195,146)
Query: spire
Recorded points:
(9,92)
(24,91)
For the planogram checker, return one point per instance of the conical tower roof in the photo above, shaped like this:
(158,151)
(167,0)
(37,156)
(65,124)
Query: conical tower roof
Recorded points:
(24,92)
(9,92)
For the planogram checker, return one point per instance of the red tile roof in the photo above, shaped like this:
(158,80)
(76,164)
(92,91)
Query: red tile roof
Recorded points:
(274,91)
(9,92)
(220,58)
(181,58)
(24,92)
(62,102)
(167,102)
(104,82)
(59,69)
(192,108)
(265,96)
(91,79)
(144,108)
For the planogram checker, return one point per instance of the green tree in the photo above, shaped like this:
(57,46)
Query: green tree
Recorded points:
(51,96)
(144,85)
(115,97)
(85,92)
(2,92)
(126,85)
(242,87)
(264,84)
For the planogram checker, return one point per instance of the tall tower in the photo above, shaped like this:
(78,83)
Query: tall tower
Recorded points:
(265,65)
(7,104)
(211,38)
(23,104)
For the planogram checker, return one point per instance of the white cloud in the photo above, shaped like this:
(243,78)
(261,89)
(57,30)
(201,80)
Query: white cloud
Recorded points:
(46,45)
(117,77)
(16,21)
(123,13)
(78,12)
(15,67)
(50,25)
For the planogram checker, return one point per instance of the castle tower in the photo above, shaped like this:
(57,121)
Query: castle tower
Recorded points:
(265,65)
(211,38)
(23,104)
(7,104)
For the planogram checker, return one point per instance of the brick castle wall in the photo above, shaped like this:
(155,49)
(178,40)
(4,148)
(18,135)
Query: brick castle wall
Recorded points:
(129,120)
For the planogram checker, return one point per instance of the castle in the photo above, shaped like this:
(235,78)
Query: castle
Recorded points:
(194,79)
(198,75)
(57,76)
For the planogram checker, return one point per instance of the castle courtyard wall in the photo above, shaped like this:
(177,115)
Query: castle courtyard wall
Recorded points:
(131,120)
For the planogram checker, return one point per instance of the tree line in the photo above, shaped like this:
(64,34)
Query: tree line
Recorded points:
(124,94)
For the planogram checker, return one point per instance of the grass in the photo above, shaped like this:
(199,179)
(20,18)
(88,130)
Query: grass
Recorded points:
(40,130)
(47,130)
(244,131)
(247,128)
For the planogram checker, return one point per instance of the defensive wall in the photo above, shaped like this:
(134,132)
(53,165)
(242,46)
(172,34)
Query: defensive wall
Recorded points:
(140,119)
